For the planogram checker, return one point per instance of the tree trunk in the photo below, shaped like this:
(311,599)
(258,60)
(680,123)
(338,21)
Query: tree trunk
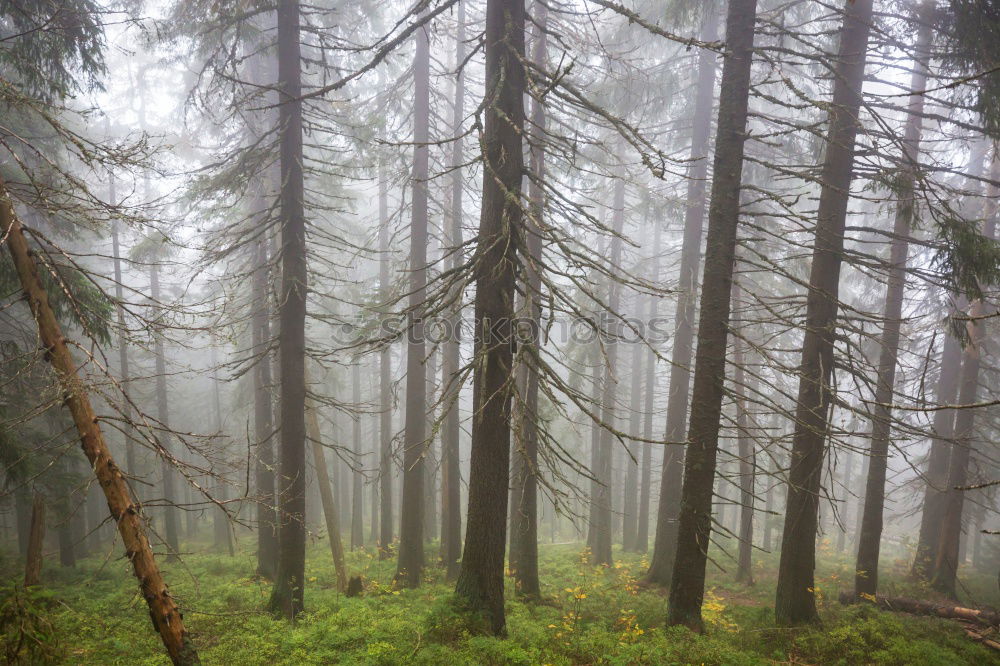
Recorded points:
(163,415)
(287,595)
(947,562)
(846,480)
(795,600)
(936,474)
(124,376)
(36,539)
(629,506)
(385,380)
(267,537)
(451,483)
(694,525)
(357,480)
(524,512)
(745,451)
(645,490)
(870,538)
(166,617)
(223,534)
(330,513)
(411,529)
(480,579)
(602,502)
(665,540)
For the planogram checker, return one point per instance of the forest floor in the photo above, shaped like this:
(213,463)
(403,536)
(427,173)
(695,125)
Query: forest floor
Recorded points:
(92,614)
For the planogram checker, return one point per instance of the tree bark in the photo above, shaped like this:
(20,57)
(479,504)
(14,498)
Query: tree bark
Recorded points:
(870,538)
(357,480)
(687,587)
(524,512)
(267,537)
(665,541)
(36,538)
(946,565)
(287,595)
(936,475)
(480,579)
(330,513)
(745,451)
(166,616)
(602,497)
(795,600)
(645,490)
(411,529)
(385,380)
(451,482)
(163,415)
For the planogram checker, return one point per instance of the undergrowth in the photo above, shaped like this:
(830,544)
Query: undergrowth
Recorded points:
(587,615)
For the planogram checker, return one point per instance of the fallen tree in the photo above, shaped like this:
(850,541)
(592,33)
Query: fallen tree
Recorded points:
(985,617)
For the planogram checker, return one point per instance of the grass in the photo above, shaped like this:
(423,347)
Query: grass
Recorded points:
(93,615)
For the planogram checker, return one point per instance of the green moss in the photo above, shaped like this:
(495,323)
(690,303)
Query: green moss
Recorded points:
(588,615)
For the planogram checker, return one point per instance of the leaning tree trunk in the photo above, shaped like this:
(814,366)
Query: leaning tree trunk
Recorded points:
(524,512)
(330,513)
(411,529)
(870,537)
(166,616)
(289,585)
(451,355)
(795,600)
(665,540)
(687,588)
(385,380)
(480,579)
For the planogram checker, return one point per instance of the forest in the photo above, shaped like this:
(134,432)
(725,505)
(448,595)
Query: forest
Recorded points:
(560,332)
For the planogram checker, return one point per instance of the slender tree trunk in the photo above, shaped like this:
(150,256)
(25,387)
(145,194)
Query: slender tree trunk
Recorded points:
(694,526)
(603,472)
(123,372)
(629,506)
(524,512)
(287,595)
(330,513)
(385,380)
(223,535)
(847,478)
(267,536)
(36,538)
(163,415)
(166,616)
(451,483)
(411,530)
(745,451)
(665,541)
(645,490)
(357,489)
(480,579)
(795,600)
(870,539)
